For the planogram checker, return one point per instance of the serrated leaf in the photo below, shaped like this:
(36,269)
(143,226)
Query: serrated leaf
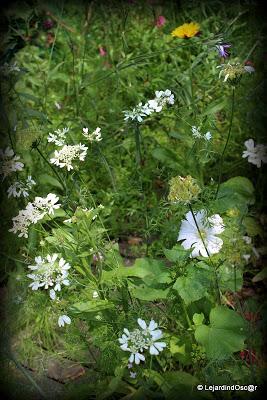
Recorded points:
(177,253)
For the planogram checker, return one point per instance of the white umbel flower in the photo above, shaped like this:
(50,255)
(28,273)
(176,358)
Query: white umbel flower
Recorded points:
(33,213)
(49,273)
(9,162)
(58,137)
(20,188)
(67,154)
(209,227)
(94,136)
(139,340)
(196,133)
(63,319)
(161,99)
(256,155)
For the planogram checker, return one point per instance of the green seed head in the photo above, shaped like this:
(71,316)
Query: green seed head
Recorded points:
(183,190)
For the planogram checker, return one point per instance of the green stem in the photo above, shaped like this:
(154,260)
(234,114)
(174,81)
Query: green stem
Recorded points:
(226,143)
(213,266)
(187,316)
(138,145)
(53,169)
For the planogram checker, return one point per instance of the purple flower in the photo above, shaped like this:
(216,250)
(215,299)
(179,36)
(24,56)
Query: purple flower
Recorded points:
(48,24)
(222,49)
(160,21)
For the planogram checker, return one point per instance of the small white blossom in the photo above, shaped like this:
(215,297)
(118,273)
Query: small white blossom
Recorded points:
(58,137)
(132,375)
(33,213)
(49,272)
(21,188)
(95,294)
(8,69)
(63,319)
(207,136)
(154,105)
(209,227)
(198,135)
(9,162)
(246,257)
(142,339)
(94,136)
(67,154)
(256,155)
(247,239)
(58,105)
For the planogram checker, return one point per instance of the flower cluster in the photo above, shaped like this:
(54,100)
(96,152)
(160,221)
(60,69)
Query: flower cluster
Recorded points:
(33,213)
(94,136)
(58,137)
(49,272)
(65,156)
(183,190)
(256,155)
(233,72)
(155,105)
(138,340)
(21,188)
(198,135)
(186,30)
(9,162)
(198,229)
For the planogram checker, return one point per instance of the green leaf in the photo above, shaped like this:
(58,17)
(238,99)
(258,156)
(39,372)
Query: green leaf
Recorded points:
(260,276)
(198,319)
(236,192)
(195,284)
(225,334)
(92,306)
(45,179)
(144,292)
(177,253)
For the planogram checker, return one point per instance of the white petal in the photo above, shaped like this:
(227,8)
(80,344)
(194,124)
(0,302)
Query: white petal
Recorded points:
(141,323)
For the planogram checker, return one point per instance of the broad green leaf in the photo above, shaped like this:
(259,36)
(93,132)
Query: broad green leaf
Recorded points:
(198,319)
(175,347)
(225,334)
(45,179)
(195,284)
(168,157)
(143,292)
(177,253)
(236,192)
(260,276)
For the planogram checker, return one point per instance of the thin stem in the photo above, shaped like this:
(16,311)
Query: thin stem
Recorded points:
(138,144)
(53,169)
(226,143)
(204,244)
(187,316)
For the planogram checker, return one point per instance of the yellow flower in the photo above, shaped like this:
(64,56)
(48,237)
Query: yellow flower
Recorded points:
(186,30)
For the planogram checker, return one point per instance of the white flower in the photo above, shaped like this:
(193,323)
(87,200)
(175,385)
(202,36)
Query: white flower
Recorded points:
(21,188)
(58,105)
(246,257)
(63,319)
(209,227)
(33,213)
(94,136)
(49,272)
(95,294)
(7,69)
(154,105)
(256,154)
(247,239)
(132,375)
(9,162)
(68,153)
(196,132)
(58,137)
(207,136)
(142,339)
(249,69)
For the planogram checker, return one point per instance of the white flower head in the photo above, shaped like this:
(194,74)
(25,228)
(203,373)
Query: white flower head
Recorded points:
(49,273)
(94,136)
(33,213)
(209,228)
(196,132)
(58,137)
(257,155)
(67,154)
(139,340)
(63,319)
(21,188)
(9,162)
